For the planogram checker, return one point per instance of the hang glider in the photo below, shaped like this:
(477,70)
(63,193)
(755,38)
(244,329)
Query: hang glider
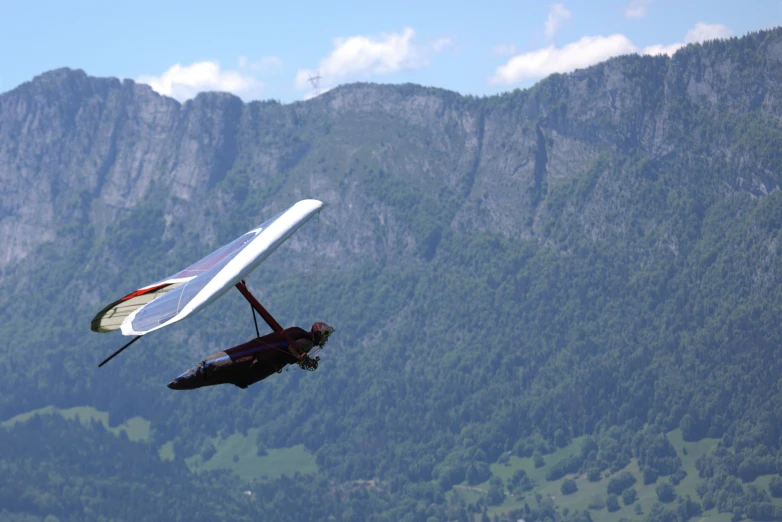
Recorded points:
(187,292)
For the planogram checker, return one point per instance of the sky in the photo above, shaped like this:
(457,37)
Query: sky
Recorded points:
(260,50)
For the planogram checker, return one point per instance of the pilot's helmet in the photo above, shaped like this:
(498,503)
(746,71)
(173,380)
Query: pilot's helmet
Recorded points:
(321,332)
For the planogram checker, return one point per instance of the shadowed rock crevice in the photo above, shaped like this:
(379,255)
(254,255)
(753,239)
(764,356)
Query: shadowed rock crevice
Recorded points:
(226,152)
(539,186)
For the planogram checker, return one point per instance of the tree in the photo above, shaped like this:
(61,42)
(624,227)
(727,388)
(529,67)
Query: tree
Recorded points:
(775,487)
(520,481)
(450,475)
(665,492)
(690,428)
(660,513)
(568,486)
(612,503)
(629,496)
(577,516)
(688,508)
(621,482)
(677,477)
(478,472)
(562,467)
(708,501)
(537,458)
(208,452)
(656,453)
(496,493)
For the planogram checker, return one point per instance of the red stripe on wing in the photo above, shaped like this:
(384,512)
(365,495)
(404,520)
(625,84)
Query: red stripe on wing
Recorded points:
(144,291)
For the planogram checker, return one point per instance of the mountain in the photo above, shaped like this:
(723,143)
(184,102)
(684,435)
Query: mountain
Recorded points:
(574,274)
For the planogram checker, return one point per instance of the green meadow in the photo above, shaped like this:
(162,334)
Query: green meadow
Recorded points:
(595,492)
(136,428)
(237,452)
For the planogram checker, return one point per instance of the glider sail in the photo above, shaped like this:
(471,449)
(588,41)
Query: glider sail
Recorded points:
(112,316)
(187,292)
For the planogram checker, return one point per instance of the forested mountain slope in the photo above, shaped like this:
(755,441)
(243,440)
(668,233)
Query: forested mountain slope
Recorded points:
(595,256)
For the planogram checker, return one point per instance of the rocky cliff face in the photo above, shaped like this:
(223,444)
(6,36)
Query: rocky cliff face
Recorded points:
(82,149)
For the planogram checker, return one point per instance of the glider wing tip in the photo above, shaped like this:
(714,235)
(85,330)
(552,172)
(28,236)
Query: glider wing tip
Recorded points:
(314,203)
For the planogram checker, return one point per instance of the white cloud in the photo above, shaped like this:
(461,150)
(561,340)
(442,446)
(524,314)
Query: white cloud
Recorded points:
(363,56)
(266,63)
(557,15)
(662,49)
(504,50)
(702,32)
(441,44)
(185,81)
(636,8)
(589,50)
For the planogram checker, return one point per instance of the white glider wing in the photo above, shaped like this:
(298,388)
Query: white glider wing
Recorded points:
(187,292)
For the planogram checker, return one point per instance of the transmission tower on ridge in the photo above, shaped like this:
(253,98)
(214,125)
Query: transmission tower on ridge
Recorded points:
(315,81)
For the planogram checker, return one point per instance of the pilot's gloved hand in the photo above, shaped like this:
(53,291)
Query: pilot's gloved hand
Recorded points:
(307,363)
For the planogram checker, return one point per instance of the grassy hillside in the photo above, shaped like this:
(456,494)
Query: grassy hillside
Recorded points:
(592,493)
(237,453)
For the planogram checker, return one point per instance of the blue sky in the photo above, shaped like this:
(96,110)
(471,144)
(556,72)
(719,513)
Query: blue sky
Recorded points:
(267,51)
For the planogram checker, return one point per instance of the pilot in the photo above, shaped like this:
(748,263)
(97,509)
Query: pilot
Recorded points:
(271,353)
(255,360)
